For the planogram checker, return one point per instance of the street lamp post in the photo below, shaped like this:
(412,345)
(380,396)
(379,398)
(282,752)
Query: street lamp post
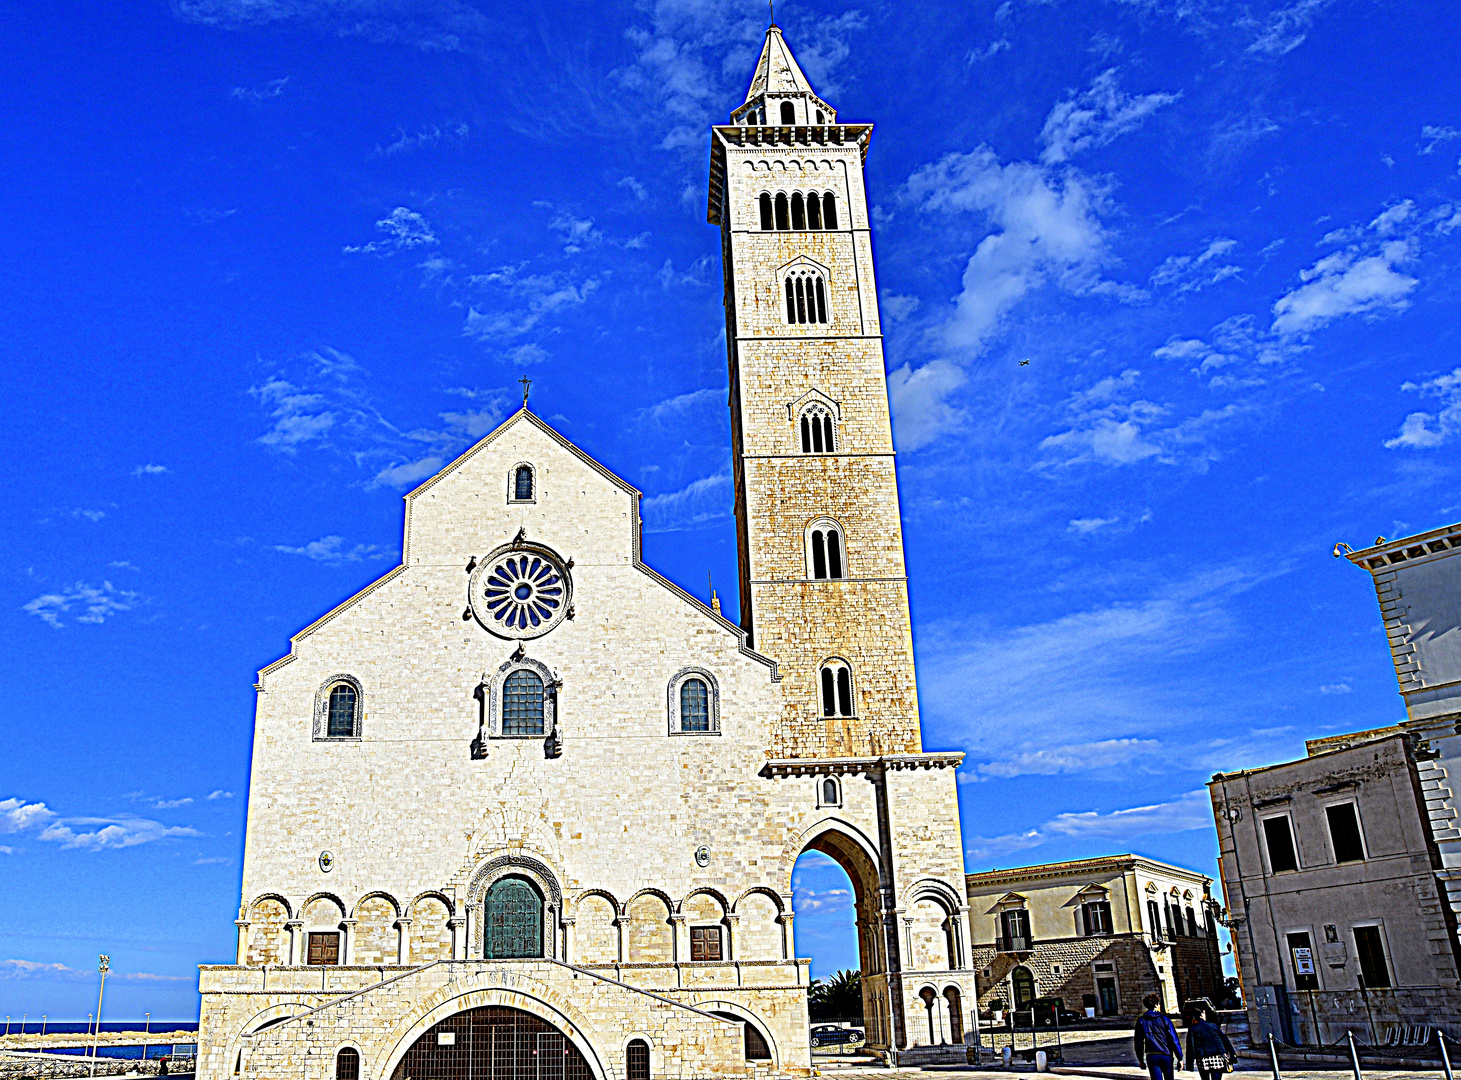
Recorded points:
(104,965)
(146,1033)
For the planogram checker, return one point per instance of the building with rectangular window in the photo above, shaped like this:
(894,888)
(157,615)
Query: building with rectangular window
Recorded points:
(1106,931)
(1342,871)
(1329,872)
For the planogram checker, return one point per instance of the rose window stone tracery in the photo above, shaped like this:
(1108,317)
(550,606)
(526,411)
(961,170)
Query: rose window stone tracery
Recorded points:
(520,593)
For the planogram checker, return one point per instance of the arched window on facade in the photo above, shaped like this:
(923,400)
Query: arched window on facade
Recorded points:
(788,113)
(343,712)
(837,689)
(820,118)
(829,211)
(798,212)
(512,923)
(830,794)
(522,704)
(767,221)
(783,219)
(816,430)
(522,483)
(814,210)
(826,544)
(347,1064)
(694,705)
(636,1060)
(1022,983)
(806,297)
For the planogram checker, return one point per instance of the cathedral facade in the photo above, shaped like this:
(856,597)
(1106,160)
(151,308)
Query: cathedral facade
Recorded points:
(524,805)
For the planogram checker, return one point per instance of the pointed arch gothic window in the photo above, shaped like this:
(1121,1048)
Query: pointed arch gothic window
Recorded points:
(806,297)
(768,223)
(783,219)
(816,430)
(824,540)
(788,113)
(829,211)
(836,680)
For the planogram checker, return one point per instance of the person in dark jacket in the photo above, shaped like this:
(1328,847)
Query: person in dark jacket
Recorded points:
(1157,1047)
(1208,1049)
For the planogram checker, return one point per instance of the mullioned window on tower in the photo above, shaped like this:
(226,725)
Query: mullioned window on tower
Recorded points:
(815,211)
(816,429)
(806,298)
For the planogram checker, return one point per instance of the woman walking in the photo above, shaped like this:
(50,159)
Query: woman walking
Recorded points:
(1208,1049)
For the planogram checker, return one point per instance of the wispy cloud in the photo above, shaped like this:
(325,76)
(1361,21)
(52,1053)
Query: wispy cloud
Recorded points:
(1426,430)
(430,25)
(86,833)
(149,470)
(694,506)
(334,549)
(82,603)
(54,972)
(1435,136)
(1286,28)
(1074,758)
(1193,273)
(219,794)
(1192,811)
(453,134)
(254,95)
(1096,116)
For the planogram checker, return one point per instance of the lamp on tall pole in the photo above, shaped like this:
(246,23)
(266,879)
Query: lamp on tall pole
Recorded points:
(103,966)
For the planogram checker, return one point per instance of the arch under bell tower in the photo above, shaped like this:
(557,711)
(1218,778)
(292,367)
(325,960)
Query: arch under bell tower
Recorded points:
(823,585)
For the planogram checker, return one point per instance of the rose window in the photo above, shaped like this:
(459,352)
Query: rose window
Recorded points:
(521,594)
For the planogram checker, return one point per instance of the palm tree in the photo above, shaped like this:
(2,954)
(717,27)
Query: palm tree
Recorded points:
(837,998)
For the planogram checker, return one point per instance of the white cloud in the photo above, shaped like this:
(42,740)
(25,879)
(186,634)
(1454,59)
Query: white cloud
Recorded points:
(406,474)
(700,503)
(635,186)
(94,604)
(1436,136)
(1192,811)
(427,137)
(919,400)
(219,794)
(896,308)
(149,470)
(434,25)
(993,49)
(1075,758)
(577,233)
(299,416)
(1095,117)
(32,969)
(1336,688)
(674,409)
(17,815)
(1346,283)
(271,89)
(1193,273)
(1424,430)
(1091,524)
(333,549)
(1287,27)
(215,860)
(537,296)
(404,229)
(90,833)
(171,804)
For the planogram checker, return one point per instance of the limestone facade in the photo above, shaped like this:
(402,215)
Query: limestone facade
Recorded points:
(522,770)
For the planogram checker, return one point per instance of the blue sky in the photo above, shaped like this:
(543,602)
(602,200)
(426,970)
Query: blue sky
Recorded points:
(271,262)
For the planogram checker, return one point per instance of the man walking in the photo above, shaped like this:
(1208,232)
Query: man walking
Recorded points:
(1157,1047)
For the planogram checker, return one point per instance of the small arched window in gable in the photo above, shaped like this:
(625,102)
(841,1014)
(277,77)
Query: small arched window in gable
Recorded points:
(347,1064)
(831,792)
(342,711)
(826,553)
(783,220)
(767,221)
(522,484)
(806,297)
(798,212)
(836,680)
(694,705)
(522,703)
(820,118)
(636,1060)
(829,211)
(816,430)
(788,113)
(814,211)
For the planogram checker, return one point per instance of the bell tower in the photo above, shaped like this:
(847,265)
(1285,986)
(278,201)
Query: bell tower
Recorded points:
(822,580)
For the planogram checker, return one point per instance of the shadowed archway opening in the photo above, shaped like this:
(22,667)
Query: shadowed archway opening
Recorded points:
(493,1042)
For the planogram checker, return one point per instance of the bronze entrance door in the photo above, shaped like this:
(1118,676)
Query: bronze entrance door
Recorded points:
(493,1043)
(512,926)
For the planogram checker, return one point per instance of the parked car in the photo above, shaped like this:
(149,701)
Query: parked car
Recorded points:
(832,1035)
(1046,1009)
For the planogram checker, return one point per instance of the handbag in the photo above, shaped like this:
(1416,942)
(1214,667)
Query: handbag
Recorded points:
(1215,1063)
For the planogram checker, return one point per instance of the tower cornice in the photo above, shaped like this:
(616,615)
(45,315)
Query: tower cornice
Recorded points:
(723,136)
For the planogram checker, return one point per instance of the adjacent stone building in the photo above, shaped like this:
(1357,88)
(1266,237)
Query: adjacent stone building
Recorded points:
(1110,929)
(523,807)
(1342,871)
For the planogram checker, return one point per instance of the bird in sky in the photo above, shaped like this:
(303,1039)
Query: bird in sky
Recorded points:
(1024,363)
